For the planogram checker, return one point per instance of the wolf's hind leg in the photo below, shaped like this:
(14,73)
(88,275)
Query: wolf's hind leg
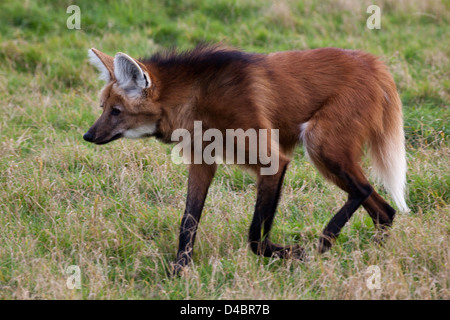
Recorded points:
(336,156)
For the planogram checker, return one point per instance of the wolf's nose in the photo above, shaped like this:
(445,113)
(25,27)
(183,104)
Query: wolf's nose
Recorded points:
(88,137)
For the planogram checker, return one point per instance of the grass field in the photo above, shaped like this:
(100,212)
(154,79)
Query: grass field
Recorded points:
(115,210)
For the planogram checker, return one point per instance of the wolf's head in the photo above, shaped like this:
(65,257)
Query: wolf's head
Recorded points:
(127,100)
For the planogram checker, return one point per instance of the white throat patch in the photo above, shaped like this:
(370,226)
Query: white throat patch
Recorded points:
(140,132)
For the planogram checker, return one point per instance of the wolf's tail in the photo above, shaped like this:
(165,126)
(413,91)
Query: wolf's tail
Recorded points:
(388,147)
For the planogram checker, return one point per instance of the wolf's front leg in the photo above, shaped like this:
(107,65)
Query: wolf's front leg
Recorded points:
(269,190)
(200,177)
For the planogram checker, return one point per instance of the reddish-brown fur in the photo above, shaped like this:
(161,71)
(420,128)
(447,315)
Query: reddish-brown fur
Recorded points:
(332,100)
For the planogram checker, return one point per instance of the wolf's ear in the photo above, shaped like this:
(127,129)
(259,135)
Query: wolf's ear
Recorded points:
(131,75)
(103,62)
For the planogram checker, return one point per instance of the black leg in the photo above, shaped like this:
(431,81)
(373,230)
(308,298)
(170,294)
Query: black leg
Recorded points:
(382,215)
(200,177)
(358,193)
(380,211)
(269,189)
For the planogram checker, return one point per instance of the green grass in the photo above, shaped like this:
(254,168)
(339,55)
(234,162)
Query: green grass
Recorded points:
(114,210)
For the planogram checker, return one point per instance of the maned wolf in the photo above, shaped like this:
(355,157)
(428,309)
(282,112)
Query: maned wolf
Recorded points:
(332,101)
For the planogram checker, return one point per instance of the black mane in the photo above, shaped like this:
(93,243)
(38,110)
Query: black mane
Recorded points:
(201,59)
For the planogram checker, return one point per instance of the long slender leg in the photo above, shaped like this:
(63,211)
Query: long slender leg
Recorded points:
(348,175)
(382,215)
(200,177)
(379,210)
(269,189)
(335,145)
(335,225)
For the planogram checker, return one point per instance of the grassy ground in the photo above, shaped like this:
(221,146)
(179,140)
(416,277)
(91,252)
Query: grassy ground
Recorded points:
(114,210)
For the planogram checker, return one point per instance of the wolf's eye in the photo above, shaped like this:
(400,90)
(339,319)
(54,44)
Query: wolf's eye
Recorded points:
(115,112)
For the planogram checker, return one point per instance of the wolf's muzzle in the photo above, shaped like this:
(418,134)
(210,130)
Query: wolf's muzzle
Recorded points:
(88,137)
